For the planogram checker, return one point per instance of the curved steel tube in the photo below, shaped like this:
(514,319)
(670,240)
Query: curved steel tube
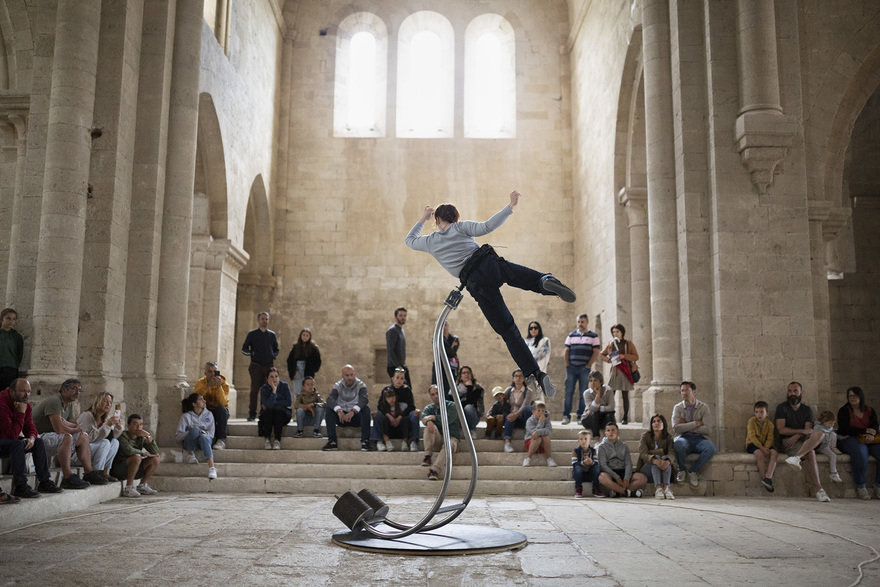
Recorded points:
(441,364)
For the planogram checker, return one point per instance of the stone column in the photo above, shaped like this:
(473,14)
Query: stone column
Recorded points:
(662,221)
(65,189)
(19,122)
(174,258)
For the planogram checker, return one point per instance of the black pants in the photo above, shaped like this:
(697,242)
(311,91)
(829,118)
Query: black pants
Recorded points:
(221,417)
(14,450)
(273,420)
(596,421)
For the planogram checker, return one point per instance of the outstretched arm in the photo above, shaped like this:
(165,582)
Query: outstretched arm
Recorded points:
(514,198)
(429,213)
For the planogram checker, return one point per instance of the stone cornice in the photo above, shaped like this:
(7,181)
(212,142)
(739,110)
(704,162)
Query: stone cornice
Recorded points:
(763,138)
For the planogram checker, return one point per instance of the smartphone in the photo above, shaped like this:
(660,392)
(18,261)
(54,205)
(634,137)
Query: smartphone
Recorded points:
(216,373)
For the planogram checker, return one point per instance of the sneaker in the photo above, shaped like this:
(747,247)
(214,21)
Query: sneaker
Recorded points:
(861,492)
(527,461)
(268,444)
(220,445)
(212,471)
(794,462)
(637,493)
(380,446)
(276,445)
(598,493)
(551,462)
(693,479)
(130,491)
(390,447)
(404,447)
(578,492)
(317,434)
(414,446)
(74,482)
(835,476)
(681,476)
(251,418)
(546,384)
(298,434)
(507,447)
(624,422)
(48,486)
(192,460)
(822,496)
(566,421)
(659,493)
(25,492)
(95,478)
(612,493)
(767,482)
(426,461)
(145,489)
(668,493)
(366,446)
(432,475)
(331,445)
(552,285)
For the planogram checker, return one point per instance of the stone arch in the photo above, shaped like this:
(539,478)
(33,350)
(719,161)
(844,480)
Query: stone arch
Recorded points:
(211,168)
(258,241)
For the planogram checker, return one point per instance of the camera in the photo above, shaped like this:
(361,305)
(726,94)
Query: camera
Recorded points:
(216,373)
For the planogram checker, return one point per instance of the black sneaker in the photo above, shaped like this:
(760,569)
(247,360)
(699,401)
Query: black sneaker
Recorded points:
(25,492)
(331,445)
(48,486)
(298,434)
(554,286)
(317,434)
(768,484)
(95,478)
(367,446)
(74,482)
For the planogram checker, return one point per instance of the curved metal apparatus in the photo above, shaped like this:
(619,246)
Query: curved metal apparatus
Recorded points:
(359,511)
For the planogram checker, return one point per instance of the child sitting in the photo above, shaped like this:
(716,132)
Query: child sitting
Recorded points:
(497,413)
(584,465)
(759,442)
(829,443)
(391,420)
(538,430)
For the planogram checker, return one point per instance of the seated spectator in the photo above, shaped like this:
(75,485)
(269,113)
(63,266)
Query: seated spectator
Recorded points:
(215,390)
(519,398)
(829,443)
(857,437)
(195,430)
(138,458)
(759,442)
(63,438)
(471,394)
(101,427)
(691,424)
(655,457)
(347,405)
(497,413)
(433,437)
(794,423)
(584,465)
(392,420)
(616,466)
(407,404)
(309,408)
(18,436)
(537,438)
(599,399)
(275,409)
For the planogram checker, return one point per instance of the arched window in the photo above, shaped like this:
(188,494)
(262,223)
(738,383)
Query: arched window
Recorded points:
(490,78)
(425,76)
(361,76)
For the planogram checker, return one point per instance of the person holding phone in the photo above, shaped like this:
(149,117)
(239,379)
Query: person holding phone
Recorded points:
(215,390)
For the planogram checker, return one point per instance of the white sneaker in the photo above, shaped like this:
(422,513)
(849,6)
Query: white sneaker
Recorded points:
(527,461)
(130,491)
(551,462)
(191,459)
(821,495)
(145,489)
(836,477)
(668,493)
(681,476)
(694,479)
(507,447)
(219,445)
(565,421)
(414,446)
(659,494)
(212,472)
(268,444)
(380,446)
(276,445)
(861,493)
(796,463)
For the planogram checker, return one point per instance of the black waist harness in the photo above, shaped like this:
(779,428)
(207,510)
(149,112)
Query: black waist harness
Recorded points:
(474,260)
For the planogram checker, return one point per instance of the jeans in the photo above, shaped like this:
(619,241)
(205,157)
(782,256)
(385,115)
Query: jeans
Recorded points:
(361,419)
(518,423)
(483,284)
(221,417)
(385,428)
(685,445)
(591,475)
(653,472)
(195,440)
(414,428)
(304,418)
(103,452)
(575,380)
(471,416)
(858,455)
(14,450)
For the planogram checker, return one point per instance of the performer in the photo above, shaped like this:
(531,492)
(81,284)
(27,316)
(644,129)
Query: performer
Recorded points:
(483,272)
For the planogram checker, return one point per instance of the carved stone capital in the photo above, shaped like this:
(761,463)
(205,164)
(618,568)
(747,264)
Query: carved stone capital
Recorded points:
(635,201)
(763,138)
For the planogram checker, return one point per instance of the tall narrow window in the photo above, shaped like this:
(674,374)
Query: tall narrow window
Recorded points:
(490,78)
(425,76)
(361,77)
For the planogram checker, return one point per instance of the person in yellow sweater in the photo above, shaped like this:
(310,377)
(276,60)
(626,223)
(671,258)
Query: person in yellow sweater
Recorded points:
(759,442)
(215,390)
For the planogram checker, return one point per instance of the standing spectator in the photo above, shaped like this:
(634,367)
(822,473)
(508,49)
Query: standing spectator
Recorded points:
(497,413)
(857,437)
(519,398)
(616,464)
(434,433)
(275,409)
(759,442)
(309,408)
(622,354)
(539,345)
(101,427)
(599,399)
(794,423)
(347,405)
(138,458)
(537,438)
(655,457)
(261,345)
(450,345)
(585,466)
(303,361)
(471,394)
(395,345)
(11,347)
(581,350)
(195,430)
(215,390)
(18,436)
(393,421)
(63,437)
(691,424)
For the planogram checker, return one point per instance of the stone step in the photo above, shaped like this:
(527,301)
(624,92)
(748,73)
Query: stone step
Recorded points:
(347,444)
(354,455)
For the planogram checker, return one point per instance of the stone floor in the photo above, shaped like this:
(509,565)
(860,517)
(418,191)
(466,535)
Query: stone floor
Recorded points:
(211,539)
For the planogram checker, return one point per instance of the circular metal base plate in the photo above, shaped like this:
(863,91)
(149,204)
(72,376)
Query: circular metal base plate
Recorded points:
(447,540)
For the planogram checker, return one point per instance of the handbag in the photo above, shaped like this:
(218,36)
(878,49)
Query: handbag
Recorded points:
(633,368)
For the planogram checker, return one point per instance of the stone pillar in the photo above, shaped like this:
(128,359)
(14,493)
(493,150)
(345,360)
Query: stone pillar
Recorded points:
(635,200)
(65,189)
(177,217)
(18,120)
(662,223)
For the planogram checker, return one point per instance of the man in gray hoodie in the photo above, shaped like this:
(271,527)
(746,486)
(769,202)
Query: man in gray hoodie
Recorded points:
(347,406)
(616,467)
